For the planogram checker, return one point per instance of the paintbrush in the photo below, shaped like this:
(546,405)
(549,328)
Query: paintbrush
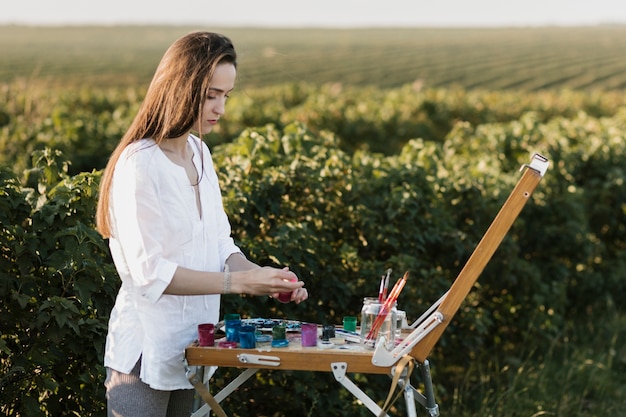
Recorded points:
(386,284)
(381,290)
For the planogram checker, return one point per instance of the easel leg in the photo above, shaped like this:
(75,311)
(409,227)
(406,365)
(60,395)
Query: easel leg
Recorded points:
(412,395)
(431,404)
(234,384)
(226,391)
(339,371)
(409,399)
(197,399)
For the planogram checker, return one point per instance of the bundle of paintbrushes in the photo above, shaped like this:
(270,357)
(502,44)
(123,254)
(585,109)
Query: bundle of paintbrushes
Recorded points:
(387,301)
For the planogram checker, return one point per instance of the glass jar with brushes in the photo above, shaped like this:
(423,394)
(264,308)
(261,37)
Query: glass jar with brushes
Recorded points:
(378,319)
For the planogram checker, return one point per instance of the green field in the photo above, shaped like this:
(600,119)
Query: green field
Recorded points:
(528,59)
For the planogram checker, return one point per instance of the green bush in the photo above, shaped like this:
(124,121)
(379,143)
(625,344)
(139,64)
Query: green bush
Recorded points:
(339,215)
(86,124)
(58,286)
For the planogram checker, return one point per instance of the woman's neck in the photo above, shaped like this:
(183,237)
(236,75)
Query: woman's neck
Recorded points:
(177,149)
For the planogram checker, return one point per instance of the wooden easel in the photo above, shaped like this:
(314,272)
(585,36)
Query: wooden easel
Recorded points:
(415,347)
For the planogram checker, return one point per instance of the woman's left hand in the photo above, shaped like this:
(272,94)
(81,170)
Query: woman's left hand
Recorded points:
(299,295)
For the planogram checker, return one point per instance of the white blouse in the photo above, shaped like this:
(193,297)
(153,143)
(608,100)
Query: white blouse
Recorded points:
(156,227)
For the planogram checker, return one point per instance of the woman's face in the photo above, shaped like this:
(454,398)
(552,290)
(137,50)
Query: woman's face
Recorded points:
(222,84)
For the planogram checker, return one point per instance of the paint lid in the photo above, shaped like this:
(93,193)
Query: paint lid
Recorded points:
(261,338)
(280,343)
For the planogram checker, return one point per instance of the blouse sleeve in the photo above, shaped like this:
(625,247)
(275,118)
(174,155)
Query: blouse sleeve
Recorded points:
(137,215)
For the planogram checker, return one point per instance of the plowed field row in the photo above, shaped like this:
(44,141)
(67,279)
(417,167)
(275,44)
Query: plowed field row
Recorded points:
(498,58)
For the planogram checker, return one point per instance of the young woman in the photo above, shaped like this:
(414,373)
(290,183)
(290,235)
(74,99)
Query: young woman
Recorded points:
(160,207)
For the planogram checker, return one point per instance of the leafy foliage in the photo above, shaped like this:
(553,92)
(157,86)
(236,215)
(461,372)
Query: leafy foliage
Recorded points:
(57,288)
(321,186)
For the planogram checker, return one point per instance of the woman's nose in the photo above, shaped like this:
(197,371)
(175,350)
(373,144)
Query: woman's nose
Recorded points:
(220,106)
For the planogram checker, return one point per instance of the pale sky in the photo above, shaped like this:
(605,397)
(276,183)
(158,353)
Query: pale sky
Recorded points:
(329,13)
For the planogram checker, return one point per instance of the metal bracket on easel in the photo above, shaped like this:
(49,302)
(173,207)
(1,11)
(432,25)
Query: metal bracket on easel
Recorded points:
(259,359)
(384,357)
(538,163)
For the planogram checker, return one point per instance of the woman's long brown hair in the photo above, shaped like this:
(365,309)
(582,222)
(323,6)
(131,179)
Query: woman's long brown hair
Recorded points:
(173,101)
